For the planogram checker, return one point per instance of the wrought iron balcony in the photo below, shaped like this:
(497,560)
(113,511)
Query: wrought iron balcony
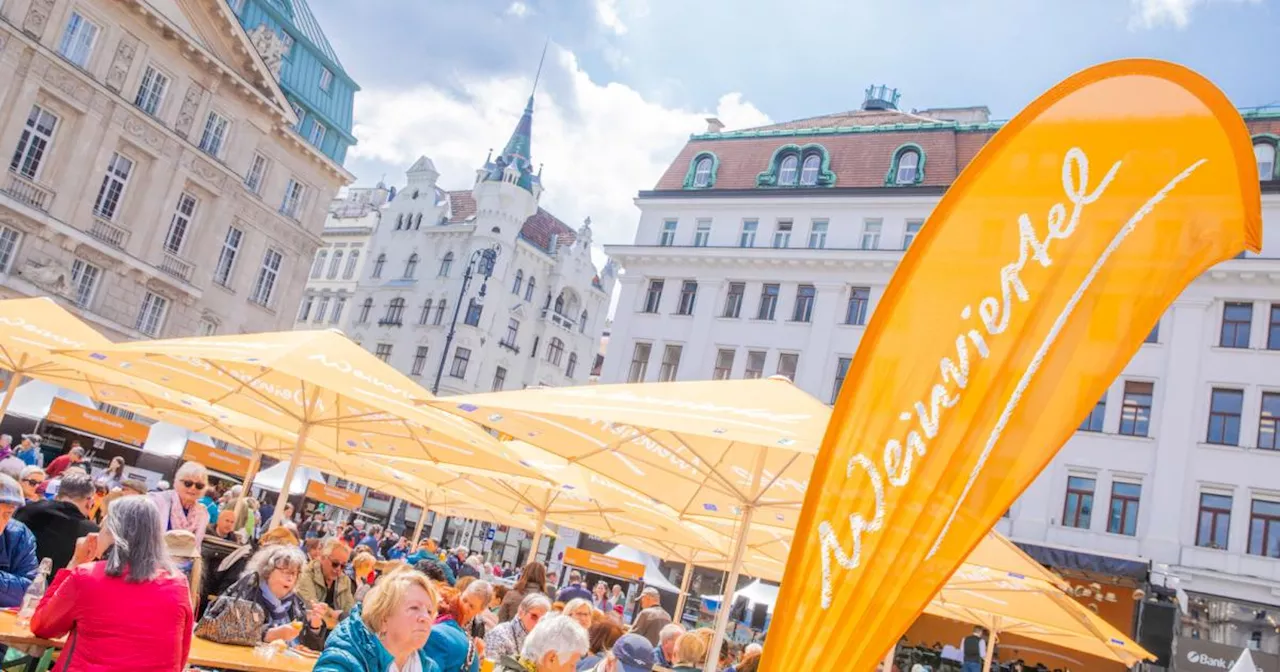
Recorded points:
(510,346)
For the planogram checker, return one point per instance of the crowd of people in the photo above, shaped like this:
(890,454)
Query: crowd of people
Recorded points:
(132,583)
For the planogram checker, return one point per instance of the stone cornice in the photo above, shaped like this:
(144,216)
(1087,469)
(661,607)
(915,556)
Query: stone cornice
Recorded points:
(883,260)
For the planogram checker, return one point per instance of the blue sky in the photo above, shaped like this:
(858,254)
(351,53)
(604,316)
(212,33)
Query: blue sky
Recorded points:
(626,81)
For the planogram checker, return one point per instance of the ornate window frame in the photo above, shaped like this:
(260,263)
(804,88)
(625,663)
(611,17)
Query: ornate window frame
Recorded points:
(692,173)
(1273,140)
(826,178)
(891,178)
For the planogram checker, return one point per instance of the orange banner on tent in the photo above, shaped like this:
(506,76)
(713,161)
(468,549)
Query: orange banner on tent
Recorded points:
(1030,287)
(93,421)
(343,499)
(603,564)
(217,459)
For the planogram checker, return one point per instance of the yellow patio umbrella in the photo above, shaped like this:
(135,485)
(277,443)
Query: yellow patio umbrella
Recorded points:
(316,385)
(738,450)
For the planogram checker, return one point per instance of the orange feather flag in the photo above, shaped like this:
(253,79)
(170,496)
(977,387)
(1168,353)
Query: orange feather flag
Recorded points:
(1030,287)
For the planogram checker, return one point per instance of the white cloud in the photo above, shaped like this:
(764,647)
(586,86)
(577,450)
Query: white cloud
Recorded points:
(518,9)
(1153,13)
(598,149)
(607,15)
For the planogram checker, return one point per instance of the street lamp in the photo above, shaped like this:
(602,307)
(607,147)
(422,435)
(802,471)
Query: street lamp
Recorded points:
(482,261)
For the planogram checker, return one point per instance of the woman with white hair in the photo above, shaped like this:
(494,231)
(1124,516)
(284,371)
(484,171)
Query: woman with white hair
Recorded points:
(580,611)
(556,644)
(508,637)
(263,605)
(180,508)
(131,611)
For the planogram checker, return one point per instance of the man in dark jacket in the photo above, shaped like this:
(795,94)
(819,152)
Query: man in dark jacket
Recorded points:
(574,590)
(18,562)
(58,523)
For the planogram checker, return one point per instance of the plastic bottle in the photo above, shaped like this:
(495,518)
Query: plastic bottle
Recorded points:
(35,592)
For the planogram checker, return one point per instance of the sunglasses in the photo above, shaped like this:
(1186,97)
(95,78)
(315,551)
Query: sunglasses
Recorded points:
(337,564)
(194,484)
(32,481)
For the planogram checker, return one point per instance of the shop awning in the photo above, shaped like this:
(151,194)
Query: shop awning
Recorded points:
(1069,559)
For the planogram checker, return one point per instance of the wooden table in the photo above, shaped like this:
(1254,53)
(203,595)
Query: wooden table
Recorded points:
(203,652)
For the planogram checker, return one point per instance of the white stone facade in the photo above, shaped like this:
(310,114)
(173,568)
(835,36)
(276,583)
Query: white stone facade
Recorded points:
(338,264)
(156,185)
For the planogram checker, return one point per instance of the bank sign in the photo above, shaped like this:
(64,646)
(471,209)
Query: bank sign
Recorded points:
(1198,655)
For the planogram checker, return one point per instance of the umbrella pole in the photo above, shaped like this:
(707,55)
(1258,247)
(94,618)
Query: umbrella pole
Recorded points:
(685,580)
(888,658)
(9,390)
(991,648)
(417,529)
(283,497)
(254,465)
(730,587)
(537,536)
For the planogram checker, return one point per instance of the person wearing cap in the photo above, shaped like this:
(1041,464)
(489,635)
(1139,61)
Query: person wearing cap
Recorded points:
(60,463)
(631,653)
(29,450)
(18,551)
(182,548)
(57,523)
(652,617)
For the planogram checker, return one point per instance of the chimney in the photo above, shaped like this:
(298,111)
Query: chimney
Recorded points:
(714,125)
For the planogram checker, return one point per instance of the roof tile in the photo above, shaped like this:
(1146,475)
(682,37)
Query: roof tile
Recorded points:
(537,229)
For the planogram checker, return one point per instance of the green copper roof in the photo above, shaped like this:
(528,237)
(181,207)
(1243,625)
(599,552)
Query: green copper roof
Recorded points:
(520,144)
(299,13)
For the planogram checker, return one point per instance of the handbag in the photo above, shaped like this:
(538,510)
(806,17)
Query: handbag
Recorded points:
(233,620)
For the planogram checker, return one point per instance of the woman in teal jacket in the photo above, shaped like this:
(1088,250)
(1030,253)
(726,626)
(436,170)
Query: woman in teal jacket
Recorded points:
(452,644)
(388,633)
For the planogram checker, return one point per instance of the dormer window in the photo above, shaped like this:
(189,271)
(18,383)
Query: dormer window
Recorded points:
(798,166)
(1265,154)
(809,174)
(908,162)
(907,167)
(787,171)
(702,172)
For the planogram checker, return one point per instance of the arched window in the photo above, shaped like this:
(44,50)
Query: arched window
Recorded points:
(582,323)
(809,173)
(411,266)
(515,287)
(446,264)
(364,311)
(334,265)
(787,172)
(417,221)
(528,290)
(399,221)
(378,264)
(395,311)
(350,271)
(317,267)
(1265,153)
(560,305)
(573,365)
(426,312)
(555,351)
(908,167)
(702,172)
(440,308)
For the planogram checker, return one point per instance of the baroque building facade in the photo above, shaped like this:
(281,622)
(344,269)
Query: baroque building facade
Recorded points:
(156,184)
(340,261)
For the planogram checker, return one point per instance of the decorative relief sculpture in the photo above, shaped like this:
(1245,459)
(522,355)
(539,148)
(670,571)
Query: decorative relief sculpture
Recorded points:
(121,62)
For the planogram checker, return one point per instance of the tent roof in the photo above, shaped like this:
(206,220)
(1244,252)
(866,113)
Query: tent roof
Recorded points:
(273,477)
(33,398)
(652,575)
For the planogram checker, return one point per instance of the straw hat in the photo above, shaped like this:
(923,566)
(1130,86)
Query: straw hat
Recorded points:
(181,544)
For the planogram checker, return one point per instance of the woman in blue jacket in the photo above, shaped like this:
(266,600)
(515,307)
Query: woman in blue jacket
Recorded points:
(387,633)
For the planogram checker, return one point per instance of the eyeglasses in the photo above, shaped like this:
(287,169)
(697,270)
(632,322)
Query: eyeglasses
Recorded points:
(194,484)
(337,564)
(33,482)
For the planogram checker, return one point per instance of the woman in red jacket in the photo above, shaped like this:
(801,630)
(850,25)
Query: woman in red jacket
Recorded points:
(131,611)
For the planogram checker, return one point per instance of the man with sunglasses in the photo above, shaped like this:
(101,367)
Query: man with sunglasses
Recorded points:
(325,581)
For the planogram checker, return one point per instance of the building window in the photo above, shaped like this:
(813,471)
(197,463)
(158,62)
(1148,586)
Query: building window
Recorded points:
(446,265)
(383,351)
(151,316)
(215,134)
(782,234)
(365,308)
(528,289)
(668,236)
(1265,153)
(724,364)
(1093,421)
(733,300)
(151,90)
(1225,407)
(77,39)
(499,379)
(326,79)
(1264,529)
(461,356)
(818,234)
(653,297)
(582,323)
(871,234)
(555,351)
(265,285)
(702,172)
(1124,508)
(425,315)
(107,204)
(809,172)
(1135,409)
(803,312)
(748,236)
(207,328)
(338,305)
(788,362)
(419,361)
(411,266)
(855,313)
(670,363)
(908,167)
(317,133)
(1078,506)
(9,239)
(291,206)
(300,113)
(768,301)
(787,171)
(304,310)
(639,363)
(378,264)
(317,264)
(702,236)
(1273,328)
(1269,421)
(322,307)
(84,281)
(395,311)
(842,370)
(912,230)
(352,260)
(253,178)
(513,332)
(515,286)
(33,144)
(1237,318)
(474,308)
(1214,525)
(755,365)
(227,256)
(440,309)
(334,265)
(180,223)
(572,366)
(236,6)
(688,295)
(1154,335)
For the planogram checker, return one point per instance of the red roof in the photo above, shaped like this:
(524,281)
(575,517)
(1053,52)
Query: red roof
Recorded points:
(537,229)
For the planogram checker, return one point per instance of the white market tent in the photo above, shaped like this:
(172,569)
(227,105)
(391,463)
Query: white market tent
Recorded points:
(756,593)
(273,477)
(652,575)
(33,398)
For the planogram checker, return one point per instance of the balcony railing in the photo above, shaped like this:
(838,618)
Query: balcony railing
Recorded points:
(510,346)
(109,233)
(28,193)
(559,320)
(390,322)
(176,267)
